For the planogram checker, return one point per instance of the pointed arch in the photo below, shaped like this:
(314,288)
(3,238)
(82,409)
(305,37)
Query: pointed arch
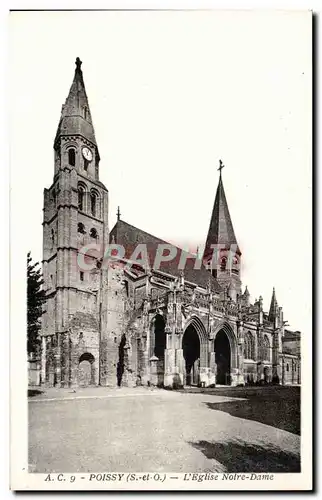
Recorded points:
(249,346)
(199,326)
(157,326)
(195,322)
(229,331)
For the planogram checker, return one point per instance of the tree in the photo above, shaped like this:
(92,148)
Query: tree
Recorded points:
(35,299)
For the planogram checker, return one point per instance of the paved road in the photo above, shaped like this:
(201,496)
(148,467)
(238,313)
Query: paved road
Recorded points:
(151,430)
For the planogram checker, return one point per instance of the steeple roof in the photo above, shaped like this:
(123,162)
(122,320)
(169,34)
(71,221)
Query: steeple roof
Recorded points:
(75,114)
(273,307)
(221,229)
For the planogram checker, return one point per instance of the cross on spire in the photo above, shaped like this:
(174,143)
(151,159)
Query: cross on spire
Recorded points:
(118,213)
(221,166)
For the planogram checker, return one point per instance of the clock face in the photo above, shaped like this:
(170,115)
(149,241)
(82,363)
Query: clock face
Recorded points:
(87,153)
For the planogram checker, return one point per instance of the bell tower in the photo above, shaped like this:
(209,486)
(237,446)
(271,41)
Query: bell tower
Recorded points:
(75,216)
(222,255)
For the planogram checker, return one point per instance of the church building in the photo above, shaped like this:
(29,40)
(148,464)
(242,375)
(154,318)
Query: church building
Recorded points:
(127,322)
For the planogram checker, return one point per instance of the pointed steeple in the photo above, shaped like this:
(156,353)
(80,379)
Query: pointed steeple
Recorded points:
(221,229)
(75,116)
(246,297)
(273,310)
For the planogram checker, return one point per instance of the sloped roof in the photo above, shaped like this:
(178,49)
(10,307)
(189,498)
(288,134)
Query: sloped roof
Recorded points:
(273,310)
(130,236)
(221,229)
(74,119)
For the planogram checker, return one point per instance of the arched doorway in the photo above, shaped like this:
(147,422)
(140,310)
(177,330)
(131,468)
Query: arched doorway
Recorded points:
(158,346)
(191,354)
(86,370)
(223,358)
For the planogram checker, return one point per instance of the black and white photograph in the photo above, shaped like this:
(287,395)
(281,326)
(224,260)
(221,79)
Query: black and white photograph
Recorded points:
(161,235)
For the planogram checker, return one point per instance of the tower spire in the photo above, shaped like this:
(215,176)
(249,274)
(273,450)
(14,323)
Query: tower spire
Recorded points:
(75,116)
(221,231)
(273,310)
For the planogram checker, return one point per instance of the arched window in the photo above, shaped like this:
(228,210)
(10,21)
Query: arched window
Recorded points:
(81,228)
(93,204)
(52,237)
(287,367)
(249,347)
(54,197)
(235,267)
(223,263)
(93,233)
(266,349)
(72,157)
(81,197)
(85,112)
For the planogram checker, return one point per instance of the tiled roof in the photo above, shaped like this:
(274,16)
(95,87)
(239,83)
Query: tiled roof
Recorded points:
(130,236)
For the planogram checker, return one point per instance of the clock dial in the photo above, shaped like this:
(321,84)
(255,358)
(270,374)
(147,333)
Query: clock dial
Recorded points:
(87,153)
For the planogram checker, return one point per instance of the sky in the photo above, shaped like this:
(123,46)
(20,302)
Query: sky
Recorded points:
(170,94)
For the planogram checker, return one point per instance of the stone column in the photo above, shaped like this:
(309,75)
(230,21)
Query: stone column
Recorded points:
(180,369)
(172,371)
(146,368)
(127,378)
(43,360)
(74,369)
(58,362)
(240,354)
(154,370)
(65,361)
(212,367)
(277,369)
(259,356)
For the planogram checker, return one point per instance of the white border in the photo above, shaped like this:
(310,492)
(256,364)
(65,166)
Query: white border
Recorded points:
(32,481)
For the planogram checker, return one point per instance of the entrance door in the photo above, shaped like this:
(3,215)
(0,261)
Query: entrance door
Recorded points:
(84,373)
(223,358)
(191,354)
(86,370)
(160,344)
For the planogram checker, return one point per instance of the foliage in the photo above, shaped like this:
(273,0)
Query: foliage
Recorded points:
(35,300)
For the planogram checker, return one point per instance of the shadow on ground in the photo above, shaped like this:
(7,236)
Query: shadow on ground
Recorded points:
(238,456)
(277,406)
(34,392)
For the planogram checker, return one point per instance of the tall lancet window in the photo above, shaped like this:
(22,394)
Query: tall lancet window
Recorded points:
(249,347)
(81,198)
(93,204)
(71,157)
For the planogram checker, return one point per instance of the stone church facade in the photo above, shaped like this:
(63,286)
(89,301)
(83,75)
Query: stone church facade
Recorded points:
(119,321)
